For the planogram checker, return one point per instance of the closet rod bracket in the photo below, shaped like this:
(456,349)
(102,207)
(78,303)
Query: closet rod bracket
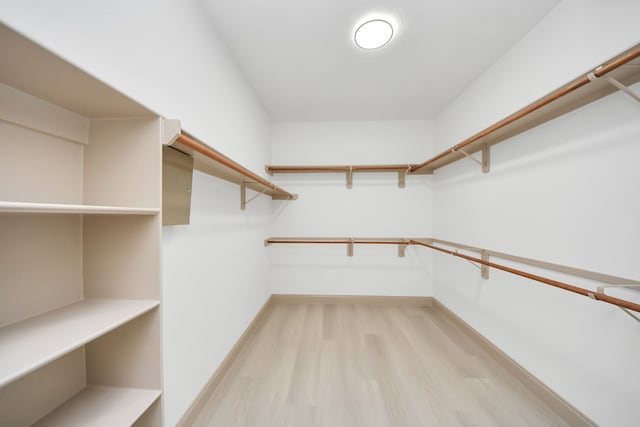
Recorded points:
(350,248)
(350,178)
(486,158)
(243,194)
(402,177)
(484,269)
(592,76)
(402,247)
(623,285)
(485,163)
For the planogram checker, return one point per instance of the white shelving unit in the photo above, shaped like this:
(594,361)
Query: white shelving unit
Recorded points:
(32,343)
(80,237)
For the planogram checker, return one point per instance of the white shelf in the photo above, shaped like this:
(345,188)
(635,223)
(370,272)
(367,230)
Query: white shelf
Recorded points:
(101,406)
(53,208)
(32,343)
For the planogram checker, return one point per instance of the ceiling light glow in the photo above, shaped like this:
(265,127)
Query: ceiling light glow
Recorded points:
(373,34)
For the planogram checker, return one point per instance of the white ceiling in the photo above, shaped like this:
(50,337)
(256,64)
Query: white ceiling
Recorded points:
(300,58)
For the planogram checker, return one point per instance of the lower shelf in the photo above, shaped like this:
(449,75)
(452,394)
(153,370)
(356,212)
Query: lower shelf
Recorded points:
(101,406)
(32,343)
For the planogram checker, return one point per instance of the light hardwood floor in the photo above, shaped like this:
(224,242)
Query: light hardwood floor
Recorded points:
(366,365)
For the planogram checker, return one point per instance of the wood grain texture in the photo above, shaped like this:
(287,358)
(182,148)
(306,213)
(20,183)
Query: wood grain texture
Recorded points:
(355,364)
(571,415)
(200,402)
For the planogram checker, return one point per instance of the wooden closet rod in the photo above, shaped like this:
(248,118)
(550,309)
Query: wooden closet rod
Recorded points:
(426,242)
(214,155)
(338,168)
(615,63)
(336,241)
(571,288)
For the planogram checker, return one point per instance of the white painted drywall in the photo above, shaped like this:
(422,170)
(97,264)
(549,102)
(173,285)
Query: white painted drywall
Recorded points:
(565,192)
(374,207)
(215,280)
(165,55)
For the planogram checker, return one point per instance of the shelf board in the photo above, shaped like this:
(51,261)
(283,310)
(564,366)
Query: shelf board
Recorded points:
(570,97)
(209,161)
(101,406)
(41,73)
(27,345)
(274,169)
(625,68)
(54,208)
(337,240)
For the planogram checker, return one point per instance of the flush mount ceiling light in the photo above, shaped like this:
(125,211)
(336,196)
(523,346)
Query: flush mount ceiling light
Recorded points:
(373,34)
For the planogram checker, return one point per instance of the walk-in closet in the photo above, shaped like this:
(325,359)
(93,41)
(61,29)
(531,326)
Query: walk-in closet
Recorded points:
(325,213)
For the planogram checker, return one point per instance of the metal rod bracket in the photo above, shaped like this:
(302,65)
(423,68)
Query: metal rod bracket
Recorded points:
(484,270)
(350,178)
(485,164)
(478,266)
(601,290)
(350,248)
(470,157)
(622,87)
(592,76)
(636,318)
(243,194)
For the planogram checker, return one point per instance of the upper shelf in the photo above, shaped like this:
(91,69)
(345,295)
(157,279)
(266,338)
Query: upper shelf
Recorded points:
(591,86)
(625,68)
(52,208)
(37,71)
(337,168)
(337,240)
(208,160)
(402,170)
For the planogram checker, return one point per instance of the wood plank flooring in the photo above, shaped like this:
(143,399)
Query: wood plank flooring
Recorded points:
(365,365)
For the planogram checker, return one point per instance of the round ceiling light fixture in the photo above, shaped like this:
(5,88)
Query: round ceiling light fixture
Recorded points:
(373,34)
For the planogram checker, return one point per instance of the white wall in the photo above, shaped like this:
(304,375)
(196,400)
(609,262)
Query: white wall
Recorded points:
(215,280)
(374,207)
(564,192)
(164,54)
